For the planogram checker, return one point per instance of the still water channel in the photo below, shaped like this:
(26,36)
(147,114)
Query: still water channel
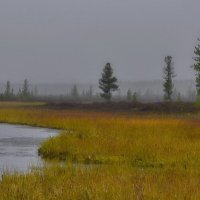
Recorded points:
(19,146)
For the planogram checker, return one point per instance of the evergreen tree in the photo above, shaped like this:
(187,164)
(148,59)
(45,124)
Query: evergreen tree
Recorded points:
(25,89)
(7,92)
(168,76)
(74,92)
(119,96)
(108,83)
(19,94)
(90,92)
(179,99)
(129,95)
(196,67)
(134,98)
(35,91)
(12,92)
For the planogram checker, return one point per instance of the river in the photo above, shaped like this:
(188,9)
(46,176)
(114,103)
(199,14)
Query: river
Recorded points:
(19,146)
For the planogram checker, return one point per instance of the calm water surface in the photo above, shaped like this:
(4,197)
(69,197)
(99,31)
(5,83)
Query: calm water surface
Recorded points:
(19,145)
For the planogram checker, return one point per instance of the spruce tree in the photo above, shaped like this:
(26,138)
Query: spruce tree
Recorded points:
(7,92)
(134,98)
(129,95)
(108,83)
(74,91)
(25,90)
(196,67)
(168,76)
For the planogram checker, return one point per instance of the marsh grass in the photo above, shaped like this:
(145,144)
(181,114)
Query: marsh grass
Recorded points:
(101,182)
(128,156)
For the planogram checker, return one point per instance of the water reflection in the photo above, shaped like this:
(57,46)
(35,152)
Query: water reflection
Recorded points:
(19,145)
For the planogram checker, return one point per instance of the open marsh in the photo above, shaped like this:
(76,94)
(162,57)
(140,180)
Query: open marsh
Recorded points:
(153,156)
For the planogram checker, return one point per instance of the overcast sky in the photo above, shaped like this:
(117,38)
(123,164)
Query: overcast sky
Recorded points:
(71,40)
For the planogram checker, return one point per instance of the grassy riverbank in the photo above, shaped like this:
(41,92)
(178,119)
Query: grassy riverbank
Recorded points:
(130,156)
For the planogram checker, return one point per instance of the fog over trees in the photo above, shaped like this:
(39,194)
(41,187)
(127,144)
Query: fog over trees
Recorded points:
(143,91)
(60,47)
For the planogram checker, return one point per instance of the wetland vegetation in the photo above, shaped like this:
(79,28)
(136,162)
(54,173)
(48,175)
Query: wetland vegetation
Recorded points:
(108,154)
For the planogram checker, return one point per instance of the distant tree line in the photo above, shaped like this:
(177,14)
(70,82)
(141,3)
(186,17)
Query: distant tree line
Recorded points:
(85,94)
(108,84)
(24,93)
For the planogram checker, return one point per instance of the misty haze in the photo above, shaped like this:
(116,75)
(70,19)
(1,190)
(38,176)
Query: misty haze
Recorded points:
(99,99)
(70,41)
(57,44)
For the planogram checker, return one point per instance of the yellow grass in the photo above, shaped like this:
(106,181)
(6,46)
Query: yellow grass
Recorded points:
(101,183)
(136,157)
